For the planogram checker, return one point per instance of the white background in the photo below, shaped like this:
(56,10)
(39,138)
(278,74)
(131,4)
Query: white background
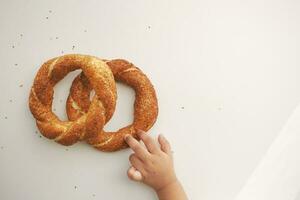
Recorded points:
(226,75)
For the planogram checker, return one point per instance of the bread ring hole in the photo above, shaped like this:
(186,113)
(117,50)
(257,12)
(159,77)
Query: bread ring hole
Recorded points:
(61,92)
(123,115)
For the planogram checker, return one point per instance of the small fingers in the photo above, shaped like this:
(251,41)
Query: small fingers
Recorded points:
(164,145)
(135,161)
(134,174)
(148,141)
(139,150)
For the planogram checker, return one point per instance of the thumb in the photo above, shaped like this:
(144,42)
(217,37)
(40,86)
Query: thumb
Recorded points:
(134,174)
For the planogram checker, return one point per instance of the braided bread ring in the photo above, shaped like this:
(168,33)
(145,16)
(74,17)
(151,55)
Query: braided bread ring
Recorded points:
(92,121)
(145,105)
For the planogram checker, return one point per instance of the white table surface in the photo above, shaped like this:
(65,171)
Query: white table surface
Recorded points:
(277,176)
(226,75)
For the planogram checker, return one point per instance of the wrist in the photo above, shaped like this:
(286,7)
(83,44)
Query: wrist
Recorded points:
(173,191)
(168,186)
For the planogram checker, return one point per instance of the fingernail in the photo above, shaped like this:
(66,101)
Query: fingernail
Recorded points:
(126,137)
(140,133)
(138,176)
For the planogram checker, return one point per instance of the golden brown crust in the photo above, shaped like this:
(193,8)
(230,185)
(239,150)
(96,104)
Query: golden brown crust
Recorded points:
(145,106)
(103,104)
(87,118)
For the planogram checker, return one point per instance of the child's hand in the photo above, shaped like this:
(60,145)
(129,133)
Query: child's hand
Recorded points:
(152,165)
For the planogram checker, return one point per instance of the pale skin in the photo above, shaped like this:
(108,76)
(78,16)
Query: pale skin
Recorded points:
(152,165)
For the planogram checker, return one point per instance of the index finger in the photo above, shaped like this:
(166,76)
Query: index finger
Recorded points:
(148,141)
(139,150)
